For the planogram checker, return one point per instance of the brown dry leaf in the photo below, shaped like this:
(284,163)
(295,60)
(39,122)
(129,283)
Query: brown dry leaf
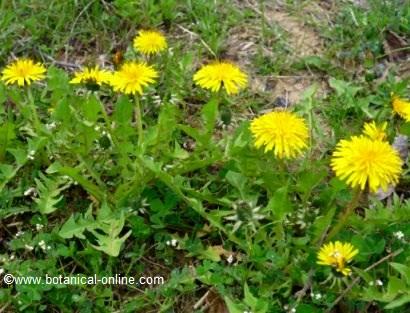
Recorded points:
(216,304)
(394,45)
(211,302)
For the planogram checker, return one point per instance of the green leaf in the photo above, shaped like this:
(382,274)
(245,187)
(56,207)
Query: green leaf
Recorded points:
(343,88)
(91,109)
(167,122)
(76,225)
(194,133)
(307,181)
(124,109)
(279,204)
(405,129)
(7,135)
(209,115)
(211,253)
(58,83)
(232,306)
(307,308)
(71,228)
(62,111)
(322,223)
(49,190)
(394,287)
(249,298)
(109,244)
(402,269)
(75,174)
(237,180)
(403,299)
(111,223)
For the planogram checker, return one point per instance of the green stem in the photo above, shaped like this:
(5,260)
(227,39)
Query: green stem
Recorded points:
(34,115)
(93,173)
(345,215)
(283,170)
(311,121)
(138,119)
(108,123)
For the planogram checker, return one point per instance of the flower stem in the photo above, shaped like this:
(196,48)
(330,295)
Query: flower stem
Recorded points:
(34,115)
(345,215)
(107,122)
(138,119)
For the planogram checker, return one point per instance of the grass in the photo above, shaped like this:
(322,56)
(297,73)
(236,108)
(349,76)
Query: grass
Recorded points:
(228,227)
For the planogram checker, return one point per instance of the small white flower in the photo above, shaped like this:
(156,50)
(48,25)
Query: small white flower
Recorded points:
(12,257)
(1,271)
(19,233)
(174,99)
(230,259)
(168,242)
(174,242)
(48,247)
(379,282)
(168,167)
(30,191)
(51,126)
(31,154)
(28,247)
(39,227)
(293,310)
(42,245)
(399,235)
(318,296)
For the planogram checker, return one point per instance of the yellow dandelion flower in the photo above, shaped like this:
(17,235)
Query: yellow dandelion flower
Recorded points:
(337,255)
(361,161)
(401,107)
(216,75)
(92,76)
(150,42)
(23,71)
(281,131)
(375,132)
(132,77)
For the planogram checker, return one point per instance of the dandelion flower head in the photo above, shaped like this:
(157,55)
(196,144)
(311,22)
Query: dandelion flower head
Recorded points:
(401,107)
(361,161)
(92,75)
(220,74)
(23,72)
(150,42)
(374,131)
(132,77)
(281,131)
(337,255)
